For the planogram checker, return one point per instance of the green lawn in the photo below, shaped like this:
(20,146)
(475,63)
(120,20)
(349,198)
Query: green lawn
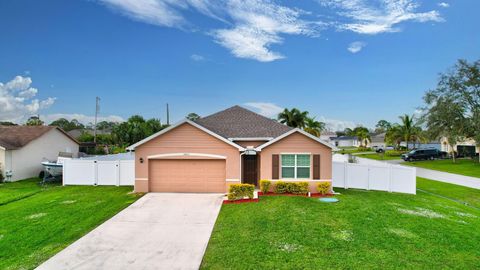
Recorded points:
(37,222)
(365,230)
(378,156)
(352,150)
(462,194)
(466,167)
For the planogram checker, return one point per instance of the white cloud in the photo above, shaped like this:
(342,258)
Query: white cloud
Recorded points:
(197,57)
(18,102)
(82,118)
(365,17)
(356,46)
(252,27)
(337,125)
(443,4)
(265,108)
(260,24)
(155,12)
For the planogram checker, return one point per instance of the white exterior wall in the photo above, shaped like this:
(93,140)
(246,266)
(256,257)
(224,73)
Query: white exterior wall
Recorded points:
(2,160)
(348,143)
(446,148)
(26,161)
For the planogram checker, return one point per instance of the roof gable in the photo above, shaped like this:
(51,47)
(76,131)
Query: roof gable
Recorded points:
(15,137)
(296,130)
(238,122)
(163,131)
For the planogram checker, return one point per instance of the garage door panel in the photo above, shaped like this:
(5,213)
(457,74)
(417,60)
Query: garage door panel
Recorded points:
(187,175)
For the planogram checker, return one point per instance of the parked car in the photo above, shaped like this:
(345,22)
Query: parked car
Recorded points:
(383,149)
(423,154)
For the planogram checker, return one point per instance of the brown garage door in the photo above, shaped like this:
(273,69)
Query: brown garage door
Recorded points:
(181,175)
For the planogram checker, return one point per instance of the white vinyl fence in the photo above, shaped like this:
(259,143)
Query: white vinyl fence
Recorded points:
(385,177)
(99,172)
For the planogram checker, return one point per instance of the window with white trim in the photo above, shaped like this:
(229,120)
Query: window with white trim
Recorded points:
(296,166)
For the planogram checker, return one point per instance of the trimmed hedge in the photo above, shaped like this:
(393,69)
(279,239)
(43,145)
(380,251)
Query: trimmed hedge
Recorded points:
(280,187)
(324,187)
(265,186)
(240,191)
(291,187)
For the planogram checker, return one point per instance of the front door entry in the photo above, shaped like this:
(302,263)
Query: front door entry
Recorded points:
(250,169)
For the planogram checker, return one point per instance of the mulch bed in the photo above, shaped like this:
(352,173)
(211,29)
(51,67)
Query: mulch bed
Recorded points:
(316,195)
(312,195)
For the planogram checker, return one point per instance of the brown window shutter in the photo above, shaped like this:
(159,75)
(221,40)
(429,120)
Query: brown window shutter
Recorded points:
(316,167)
(275,166)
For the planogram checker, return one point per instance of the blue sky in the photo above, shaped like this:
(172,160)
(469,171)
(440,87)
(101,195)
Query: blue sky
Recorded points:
(347,62)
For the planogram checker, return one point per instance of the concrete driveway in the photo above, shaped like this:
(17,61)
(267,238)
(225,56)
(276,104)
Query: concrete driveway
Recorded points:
(159,231)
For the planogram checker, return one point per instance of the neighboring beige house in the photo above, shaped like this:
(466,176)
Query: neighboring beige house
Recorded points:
(468,145)
(23,148)
(377,140)
(232,146)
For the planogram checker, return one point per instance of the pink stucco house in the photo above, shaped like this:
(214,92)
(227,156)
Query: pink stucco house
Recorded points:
(232,146)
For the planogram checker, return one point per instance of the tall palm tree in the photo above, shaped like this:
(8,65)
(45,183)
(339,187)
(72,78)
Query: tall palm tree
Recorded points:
(409,128)
(293,118)
(314,127)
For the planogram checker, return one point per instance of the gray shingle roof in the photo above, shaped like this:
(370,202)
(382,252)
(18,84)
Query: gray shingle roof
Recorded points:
(238,122)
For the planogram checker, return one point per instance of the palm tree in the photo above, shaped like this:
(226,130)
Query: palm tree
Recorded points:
(293,118)
(409,128)
(394,135)
(314,127)
(362,134)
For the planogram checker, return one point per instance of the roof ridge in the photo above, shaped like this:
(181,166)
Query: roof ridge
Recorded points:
(240,122)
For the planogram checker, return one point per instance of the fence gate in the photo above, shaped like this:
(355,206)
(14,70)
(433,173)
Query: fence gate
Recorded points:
(93,172)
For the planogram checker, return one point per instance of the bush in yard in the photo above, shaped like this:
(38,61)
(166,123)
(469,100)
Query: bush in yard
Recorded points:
(324,187)
(394,153)
(302,188)
(291,187)
(240,191)
(280,187)
(297,187)
(364,149)
(265,186)
(1,177)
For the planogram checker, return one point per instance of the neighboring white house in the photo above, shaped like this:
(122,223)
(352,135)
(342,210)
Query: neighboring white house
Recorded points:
(23,148)
(328,136)
(466,145)
(346,141)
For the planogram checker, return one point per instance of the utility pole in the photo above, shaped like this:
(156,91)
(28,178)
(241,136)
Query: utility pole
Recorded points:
(168,116)
(97,109)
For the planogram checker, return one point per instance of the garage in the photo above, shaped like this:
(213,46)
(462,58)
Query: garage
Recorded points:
(187,175)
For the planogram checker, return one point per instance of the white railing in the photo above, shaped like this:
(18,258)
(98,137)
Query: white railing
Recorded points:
(93,172)
(385,177)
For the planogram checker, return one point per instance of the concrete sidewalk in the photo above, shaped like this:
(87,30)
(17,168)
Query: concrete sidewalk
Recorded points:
(451,178)
(159,231)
